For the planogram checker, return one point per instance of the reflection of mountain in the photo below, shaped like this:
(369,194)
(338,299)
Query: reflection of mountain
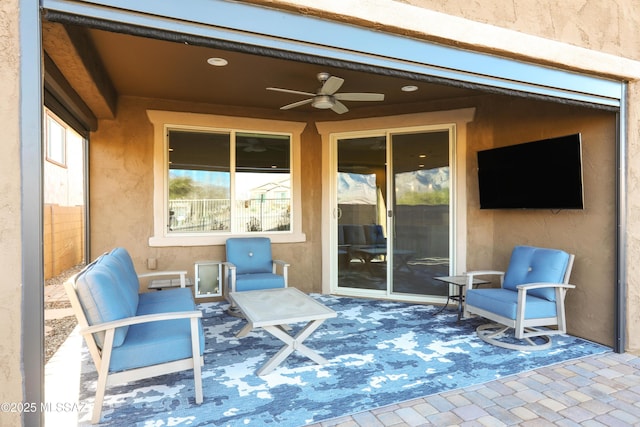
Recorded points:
(360,189)
(356,189)
(422,181)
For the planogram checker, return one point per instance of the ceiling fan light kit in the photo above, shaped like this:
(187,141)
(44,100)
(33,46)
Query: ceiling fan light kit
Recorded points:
(327,97)
(323,101)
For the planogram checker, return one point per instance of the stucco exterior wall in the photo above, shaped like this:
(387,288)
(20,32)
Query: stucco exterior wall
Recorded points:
(604,25)
(11,381)
(121,196)
(590,233)
(631,208)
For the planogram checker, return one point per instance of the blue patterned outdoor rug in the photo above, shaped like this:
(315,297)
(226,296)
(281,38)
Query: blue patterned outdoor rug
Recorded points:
(379,353)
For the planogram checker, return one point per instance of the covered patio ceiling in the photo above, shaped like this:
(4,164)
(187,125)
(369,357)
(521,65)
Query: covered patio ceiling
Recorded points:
(101,66)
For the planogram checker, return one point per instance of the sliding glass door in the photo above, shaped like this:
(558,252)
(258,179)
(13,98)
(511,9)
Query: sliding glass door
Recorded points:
(393,213)
(421,183)
(361,206)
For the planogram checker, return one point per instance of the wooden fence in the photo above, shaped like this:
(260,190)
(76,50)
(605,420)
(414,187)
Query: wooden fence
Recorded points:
(63,238)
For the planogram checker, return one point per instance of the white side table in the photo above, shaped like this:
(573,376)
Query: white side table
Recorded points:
(208,279)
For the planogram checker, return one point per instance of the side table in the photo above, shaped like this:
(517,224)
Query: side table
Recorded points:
(460,282)
(208,279)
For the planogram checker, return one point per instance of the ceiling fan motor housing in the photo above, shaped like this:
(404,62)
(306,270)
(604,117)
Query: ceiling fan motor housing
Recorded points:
(323,101)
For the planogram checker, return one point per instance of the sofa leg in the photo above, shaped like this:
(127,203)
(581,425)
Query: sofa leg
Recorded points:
(99,399)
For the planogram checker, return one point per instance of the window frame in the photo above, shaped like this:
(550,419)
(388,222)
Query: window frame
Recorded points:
(163,121)
(49,118)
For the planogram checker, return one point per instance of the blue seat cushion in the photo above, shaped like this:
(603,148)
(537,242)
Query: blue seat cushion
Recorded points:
(250,255)
(158,342)
(504,302)
(182,297)
(153,343)
(258,281)
(536,265)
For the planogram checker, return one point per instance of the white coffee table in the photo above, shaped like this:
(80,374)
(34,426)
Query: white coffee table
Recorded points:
(274,309)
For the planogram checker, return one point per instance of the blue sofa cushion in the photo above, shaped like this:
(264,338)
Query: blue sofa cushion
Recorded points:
(153,343)
(250,255)
(123,257)
(181,298)
(504,303)
(258,281)
(102,300)
(354,235)
(374,235)
(532,265)
(127,281)
(158,342)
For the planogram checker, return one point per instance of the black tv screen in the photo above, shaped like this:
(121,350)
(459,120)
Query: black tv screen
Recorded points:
(544,174)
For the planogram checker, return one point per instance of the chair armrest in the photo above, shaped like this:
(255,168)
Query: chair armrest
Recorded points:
(285,269)
(484,272)
(163,273)
(156,317)
(181,273)
(530,286)
(471,274)
(229,265)
(281,263)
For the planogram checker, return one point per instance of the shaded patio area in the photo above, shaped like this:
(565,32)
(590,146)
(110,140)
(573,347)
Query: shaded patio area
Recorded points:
(600,389)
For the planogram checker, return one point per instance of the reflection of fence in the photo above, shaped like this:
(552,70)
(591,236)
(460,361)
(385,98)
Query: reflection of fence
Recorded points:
(215,214)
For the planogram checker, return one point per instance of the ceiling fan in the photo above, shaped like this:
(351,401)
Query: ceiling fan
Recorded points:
(327,97)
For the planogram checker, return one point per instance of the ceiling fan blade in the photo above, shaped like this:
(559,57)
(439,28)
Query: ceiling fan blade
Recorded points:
(297,92)
(331,86)
(339,108)
(360,96)
(297,104)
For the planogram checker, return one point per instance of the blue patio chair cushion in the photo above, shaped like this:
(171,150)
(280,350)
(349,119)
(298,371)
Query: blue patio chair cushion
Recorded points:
(374,235)
(250,255)
(354,234)
(504,302)
(125,275)
(123,257)
(533,265)
(147,344)
(102,301)
(258,281)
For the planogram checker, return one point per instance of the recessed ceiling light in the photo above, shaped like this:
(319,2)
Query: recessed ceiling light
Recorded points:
(409,88)
(217,62)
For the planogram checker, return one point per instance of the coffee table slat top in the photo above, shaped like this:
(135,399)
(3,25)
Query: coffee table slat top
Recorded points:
(279,306)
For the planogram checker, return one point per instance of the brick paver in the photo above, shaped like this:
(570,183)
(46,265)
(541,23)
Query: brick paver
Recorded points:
(600,390)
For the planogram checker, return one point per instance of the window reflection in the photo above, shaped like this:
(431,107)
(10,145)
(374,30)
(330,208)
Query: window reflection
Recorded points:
(263,182)
(201,175)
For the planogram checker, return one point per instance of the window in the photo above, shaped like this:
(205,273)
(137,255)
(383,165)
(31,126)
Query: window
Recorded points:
(56,141)
(217,176)
(201,170)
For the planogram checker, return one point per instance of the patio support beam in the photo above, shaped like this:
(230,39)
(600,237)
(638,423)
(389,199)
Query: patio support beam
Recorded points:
(75,56)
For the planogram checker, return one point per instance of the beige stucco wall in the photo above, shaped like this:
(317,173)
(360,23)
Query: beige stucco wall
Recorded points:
(604,25)
(121,196)
(588,233)
(598,37)
(11,389)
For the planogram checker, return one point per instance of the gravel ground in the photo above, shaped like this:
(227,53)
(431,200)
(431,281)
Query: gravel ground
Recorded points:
(59,329)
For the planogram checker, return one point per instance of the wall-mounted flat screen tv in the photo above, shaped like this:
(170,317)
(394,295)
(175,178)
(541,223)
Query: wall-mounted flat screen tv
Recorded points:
(544,174)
